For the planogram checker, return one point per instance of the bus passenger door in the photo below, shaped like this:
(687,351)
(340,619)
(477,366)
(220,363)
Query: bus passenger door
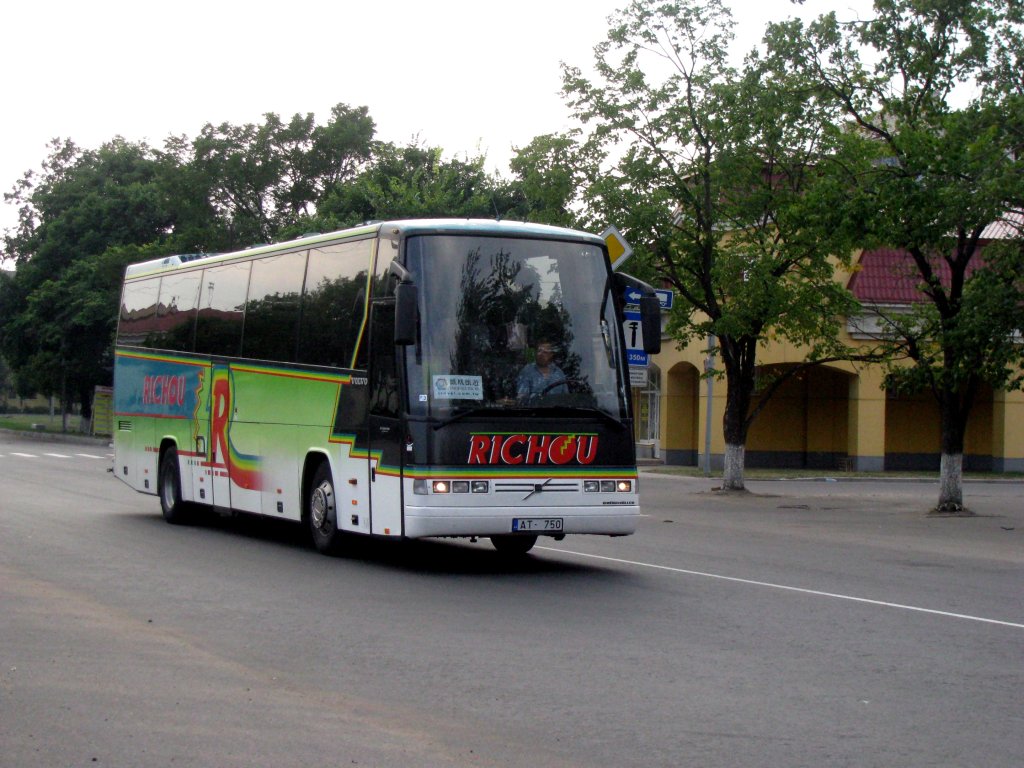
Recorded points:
(218,451)
(386,438)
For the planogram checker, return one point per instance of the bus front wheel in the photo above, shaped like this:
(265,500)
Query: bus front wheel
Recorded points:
(513,545)
(168,489)
(322,512)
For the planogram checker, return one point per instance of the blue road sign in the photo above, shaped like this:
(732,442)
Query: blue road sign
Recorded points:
(665,297)
(636,357)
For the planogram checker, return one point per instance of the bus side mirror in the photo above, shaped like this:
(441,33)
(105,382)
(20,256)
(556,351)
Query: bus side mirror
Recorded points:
(650,324)
(406,300)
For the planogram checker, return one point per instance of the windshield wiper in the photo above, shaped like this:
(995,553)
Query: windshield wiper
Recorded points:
(533,410)
(580,410)
(476,411)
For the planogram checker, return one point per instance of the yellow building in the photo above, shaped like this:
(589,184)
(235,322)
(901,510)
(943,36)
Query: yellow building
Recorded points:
(831,417)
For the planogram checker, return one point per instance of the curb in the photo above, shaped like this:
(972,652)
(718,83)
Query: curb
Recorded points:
(59,437)
(828,479)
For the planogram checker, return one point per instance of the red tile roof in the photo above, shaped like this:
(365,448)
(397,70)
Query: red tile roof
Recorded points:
(889,275)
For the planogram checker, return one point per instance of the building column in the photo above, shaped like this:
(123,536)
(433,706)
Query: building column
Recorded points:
(866,434)
(1007,436)
(718,397)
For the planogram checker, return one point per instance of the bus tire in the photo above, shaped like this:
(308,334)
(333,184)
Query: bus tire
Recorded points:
(513,545)
(322,512)
(168,488)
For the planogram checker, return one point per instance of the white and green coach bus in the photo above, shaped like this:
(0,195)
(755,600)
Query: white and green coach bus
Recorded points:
(374,381)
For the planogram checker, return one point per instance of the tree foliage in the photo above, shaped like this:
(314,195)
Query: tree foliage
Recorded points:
(722,182)
(930,177)
(57,311)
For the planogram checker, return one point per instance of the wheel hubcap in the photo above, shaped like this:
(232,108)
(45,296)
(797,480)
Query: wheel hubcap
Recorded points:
(321,506)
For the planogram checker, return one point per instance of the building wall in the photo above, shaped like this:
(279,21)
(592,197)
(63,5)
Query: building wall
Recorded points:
(913,439)
(838,416)
(804,423)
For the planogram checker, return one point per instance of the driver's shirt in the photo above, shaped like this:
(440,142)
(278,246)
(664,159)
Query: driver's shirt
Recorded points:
(532,383)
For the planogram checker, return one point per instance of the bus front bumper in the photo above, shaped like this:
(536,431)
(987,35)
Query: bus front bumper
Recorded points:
(422,522)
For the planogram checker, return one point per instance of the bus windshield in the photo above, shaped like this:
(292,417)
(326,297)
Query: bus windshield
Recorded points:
(512,323)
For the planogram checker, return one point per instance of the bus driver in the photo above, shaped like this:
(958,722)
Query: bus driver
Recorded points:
(541,377)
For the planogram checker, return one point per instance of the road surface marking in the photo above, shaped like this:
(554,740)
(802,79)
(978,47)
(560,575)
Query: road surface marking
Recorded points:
(58,455)
(801,590)
(25,455)
(89,456)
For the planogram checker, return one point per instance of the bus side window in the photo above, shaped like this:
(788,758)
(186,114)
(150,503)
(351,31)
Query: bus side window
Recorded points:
(334,303)
(138,321)
(272,308)
(176,311)
(222,309)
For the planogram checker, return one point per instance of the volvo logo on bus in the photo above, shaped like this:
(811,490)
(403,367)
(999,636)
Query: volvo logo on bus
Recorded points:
(532,449)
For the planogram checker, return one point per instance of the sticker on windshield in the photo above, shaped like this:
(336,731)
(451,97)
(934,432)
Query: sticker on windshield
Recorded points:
(448,387)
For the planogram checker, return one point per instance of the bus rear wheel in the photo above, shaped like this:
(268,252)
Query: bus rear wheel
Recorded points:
(513,545)
(168,488)
(322,512)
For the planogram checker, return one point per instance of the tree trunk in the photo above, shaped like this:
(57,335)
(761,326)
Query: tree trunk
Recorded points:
(739,359)
(85,397)
(955,406)
(732,477)
(951,483)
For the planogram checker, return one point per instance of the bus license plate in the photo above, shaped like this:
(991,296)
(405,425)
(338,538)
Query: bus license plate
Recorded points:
(539,524)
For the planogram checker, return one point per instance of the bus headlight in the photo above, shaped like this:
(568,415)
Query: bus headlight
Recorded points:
(424,487)
(608,486)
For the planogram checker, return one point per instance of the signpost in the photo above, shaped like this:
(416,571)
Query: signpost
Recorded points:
(618,251)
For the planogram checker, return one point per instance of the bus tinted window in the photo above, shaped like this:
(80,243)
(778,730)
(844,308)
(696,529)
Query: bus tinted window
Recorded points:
(138,321)
(272,311)
(176,311)
(222,309)
(334,305)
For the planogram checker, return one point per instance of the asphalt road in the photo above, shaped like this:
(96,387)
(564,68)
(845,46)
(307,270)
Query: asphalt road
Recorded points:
(804,624)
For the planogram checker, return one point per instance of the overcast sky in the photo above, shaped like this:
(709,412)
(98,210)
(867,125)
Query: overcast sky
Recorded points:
(464,75)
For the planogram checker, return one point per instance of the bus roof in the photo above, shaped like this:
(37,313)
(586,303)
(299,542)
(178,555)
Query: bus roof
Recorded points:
(400,227)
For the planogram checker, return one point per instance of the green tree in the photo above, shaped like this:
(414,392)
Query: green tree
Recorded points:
(56,311)
(415,181)
(931,176)
(259,179)
(552,172)
(85,201)
(720,183)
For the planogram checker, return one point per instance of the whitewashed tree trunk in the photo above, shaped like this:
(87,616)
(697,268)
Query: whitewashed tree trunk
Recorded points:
(951,483)
(732,478)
